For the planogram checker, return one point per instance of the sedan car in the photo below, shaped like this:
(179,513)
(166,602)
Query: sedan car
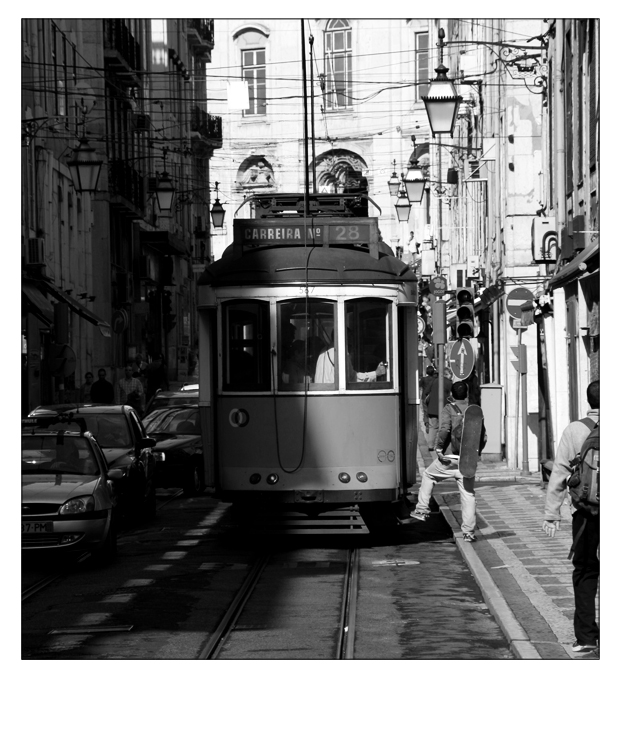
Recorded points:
(122,437)
(177,432)
(69,497)
(188,394)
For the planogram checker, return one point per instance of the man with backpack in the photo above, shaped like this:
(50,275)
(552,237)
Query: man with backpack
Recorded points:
(576,468)
(448,439)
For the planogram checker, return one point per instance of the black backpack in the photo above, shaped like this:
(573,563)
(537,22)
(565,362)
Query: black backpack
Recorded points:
(583,480)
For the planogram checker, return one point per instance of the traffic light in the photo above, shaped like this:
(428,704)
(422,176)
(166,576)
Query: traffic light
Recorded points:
(166,302)
(465,312)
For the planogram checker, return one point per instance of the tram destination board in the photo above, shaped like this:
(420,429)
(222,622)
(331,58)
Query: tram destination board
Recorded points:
(320,231)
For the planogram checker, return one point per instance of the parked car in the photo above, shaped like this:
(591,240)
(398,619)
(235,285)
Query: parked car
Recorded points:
(177,432)
(69,493)
(188,394)
(122,437)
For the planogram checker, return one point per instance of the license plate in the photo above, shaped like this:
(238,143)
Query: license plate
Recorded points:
(36,527)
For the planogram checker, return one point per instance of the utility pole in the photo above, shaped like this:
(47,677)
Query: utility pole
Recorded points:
(306,185)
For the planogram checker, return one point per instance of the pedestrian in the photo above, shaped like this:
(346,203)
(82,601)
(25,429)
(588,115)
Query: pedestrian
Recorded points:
(425,388)
(585,526)
(448,438)
(102,391)
(139,366)
(432,404)
(156,376)
(129,391)
(85,388)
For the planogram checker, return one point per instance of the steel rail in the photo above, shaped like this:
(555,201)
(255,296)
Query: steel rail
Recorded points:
(228,621)
(347,625)
(48,580)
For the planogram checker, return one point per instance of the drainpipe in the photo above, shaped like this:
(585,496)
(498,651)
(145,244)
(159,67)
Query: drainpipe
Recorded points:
(559,134)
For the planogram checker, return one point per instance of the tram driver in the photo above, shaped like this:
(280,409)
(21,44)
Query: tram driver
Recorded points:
(324,371)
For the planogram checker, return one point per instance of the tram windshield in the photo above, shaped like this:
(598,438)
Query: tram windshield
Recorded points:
(306,329)
(369,355)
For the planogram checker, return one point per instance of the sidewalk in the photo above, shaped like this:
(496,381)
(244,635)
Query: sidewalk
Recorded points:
(525,576)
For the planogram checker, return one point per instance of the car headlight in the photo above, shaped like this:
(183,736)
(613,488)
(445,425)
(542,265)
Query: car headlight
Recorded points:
(78,505)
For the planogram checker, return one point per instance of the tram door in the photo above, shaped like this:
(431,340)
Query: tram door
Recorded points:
(408,396)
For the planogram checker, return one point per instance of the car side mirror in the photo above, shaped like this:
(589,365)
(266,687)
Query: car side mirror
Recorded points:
(147,442)
(116,474)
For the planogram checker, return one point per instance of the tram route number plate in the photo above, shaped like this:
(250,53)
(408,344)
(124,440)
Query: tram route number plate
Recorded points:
(255,232)
(32,527)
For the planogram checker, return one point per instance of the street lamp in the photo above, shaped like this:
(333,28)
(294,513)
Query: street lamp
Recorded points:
(217,212)
(403,206)
(165,190)
(393,182)
(414,179)
(85,167)
(442,100)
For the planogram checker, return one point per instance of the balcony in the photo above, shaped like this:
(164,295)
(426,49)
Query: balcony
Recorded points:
(206,129)
(126,187)
(200,37)
(122,52)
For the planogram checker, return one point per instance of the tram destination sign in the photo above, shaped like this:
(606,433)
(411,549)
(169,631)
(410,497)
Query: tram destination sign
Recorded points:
(256,232)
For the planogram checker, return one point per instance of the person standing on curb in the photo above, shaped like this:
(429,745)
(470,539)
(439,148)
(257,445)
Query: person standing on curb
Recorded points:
(585,527)
(425,388)
(129,391)
(449,436)
(432,405)
(102,390)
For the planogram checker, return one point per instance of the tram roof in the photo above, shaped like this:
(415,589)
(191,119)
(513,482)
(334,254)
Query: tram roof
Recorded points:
(336,241)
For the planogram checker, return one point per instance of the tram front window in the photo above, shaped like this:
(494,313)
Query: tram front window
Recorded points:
(246,363)
(305,329)
(369,353)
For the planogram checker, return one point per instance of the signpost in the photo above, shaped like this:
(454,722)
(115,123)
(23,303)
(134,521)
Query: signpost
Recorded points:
(515,299)
(461,358)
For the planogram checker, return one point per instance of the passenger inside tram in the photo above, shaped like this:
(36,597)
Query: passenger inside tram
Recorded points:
(324,371)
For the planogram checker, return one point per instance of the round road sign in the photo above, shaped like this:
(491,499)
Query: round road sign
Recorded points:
(438,286)
(515,300)
(461,358)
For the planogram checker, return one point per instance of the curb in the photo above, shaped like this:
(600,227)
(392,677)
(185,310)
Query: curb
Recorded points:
(519,642)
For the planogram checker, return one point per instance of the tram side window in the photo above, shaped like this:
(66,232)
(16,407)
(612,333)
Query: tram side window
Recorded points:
(246,351)
(369,326)
(306,334)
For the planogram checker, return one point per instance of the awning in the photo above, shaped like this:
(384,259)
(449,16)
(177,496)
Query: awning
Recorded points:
(79,309)
(37,303)
(163,242)
(572,270)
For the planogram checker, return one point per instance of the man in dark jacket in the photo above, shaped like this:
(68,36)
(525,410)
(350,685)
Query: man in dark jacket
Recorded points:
(432,405)
(102,391)
(425,388)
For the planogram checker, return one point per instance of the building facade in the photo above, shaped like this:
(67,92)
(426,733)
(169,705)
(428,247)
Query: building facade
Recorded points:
(109,274)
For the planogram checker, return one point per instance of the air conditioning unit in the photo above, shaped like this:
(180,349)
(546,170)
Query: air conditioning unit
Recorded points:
(545,239)
(36,250)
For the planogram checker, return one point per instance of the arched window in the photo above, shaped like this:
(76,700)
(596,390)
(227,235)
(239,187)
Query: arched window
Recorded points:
(337,64)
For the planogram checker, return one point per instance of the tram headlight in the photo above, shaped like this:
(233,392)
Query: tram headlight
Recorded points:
(255,478)
(272,478)
(361,476)
(344,477)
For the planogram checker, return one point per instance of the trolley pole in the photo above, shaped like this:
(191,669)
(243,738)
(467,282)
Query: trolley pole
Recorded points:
(306,176)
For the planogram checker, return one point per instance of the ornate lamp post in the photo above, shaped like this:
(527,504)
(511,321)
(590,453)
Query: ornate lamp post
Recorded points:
(414,179)
(217,212)
(165,190)
(442,100)
(85,167)
(393,182)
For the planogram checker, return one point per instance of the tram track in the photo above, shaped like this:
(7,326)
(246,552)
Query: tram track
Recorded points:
(347,615)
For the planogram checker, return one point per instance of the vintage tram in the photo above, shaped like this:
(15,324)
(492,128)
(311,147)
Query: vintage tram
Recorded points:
(308,347)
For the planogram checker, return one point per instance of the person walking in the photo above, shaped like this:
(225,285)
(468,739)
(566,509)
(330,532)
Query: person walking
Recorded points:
(102,391)
(585,526)
(85,388)
(129,391)
(139,366)
(425,389)
(432,405)
(445,467)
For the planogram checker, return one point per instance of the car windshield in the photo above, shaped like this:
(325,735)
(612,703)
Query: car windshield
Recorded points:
(110,430)
(178,421)
(67,454)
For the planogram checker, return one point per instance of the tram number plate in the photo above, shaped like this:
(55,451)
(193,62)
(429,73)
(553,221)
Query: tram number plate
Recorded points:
(309,496)
(31,527)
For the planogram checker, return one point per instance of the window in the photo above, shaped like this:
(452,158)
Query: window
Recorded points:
(422,63)
(368,324)
(337,65)
(253,71)
(306,332)
(247,354)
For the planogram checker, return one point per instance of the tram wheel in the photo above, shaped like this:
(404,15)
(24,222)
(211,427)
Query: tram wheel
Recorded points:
(380,518)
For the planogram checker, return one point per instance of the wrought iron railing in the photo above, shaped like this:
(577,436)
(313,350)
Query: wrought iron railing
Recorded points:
(118,37)
(126,182)
(208,126)
(204,28)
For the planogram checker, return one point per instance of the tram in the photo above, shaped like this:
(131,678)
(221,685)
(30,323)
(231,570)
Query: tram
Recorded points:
(308,347)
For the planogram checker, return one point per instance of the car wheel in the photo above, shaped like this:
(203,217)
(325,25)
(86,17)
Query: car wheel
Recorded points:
(193,484)
(107,552)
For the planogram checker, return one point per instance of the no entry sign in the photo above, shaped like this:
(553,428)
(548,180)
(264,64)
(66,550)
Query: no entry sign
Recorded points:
(461,358)
(515,300)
